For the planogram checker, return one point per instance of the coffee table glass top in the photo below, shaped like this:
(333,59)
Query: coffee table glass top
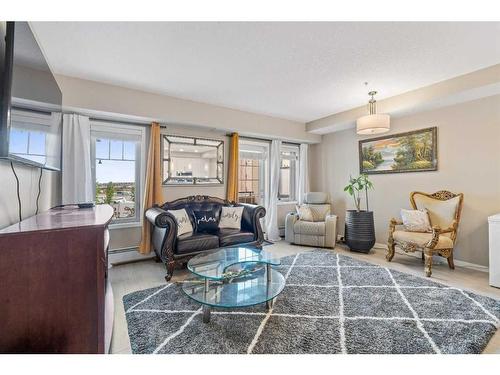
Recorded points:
(234,293)
(230,262)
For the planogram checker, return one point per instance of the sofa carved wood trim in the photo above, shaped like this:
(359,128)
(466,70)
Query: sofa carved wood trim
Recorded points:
(429,248)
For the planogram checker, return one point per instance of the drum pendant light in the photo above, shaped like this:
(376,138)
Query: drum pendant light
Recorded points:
(373,123)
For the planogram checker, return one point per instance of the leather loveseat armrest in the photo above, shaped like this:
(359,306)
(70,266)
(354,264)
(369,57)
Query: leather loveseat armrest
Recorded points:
(163,233)
(159,217)
(250,220)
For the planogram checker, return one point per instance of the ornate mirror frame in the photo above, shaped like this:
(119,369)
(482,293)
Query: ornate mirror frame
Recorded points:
(168,140)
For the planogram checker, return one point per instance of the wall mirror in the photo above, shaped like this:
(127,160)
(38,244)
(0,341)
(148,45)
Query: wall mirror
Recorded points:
(192,161)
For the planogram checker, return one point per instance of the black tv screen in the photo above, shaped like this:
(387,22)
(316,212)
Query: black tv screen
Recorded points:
(31,101)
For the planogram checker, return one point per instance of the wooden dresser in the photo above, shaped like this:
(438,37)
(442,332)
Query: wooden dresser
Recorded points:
(53,282)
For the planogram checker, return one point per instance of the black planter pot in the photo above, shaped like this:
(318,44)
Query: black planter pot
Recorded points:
(359,230)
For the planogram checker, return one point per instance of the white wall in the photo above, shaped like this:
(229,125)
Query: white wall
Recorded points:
(28,177)
(95,96)
(469,162)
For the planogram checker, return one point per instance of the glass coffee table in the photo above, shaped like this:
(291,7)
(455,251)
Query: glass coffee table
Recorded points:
(233,277)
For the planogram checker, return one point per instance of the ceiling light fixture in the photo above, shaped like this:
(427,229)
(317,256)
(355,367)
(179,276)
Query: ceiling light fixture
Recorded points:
(373,123)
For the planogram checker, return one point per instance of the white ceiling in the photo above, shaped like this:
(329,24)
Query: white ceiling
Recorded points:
(298,71)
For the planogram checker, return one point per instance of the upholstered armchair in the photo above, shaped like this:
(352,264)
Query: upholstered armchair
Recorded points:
(444,210)
(320,229)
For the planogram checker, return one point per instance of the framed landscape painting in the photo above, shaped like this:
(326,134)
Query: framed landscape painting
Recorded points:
(414,151)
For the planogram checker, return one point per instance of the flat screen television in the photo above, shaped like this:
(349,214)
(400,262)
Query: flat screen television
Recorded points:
(30,100)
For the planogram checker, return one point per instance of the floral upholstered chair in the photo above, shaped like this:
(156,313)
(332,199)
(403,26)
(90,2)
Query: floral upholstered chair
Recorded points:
(444,210)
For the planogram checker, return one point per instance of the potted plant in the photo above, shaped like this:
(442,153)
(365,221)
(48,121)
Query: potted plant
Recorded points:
(359,232)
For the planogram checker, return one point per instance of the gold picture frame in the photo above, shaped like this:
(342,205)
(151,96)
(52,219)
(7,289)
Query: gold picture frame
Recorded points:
(414,151)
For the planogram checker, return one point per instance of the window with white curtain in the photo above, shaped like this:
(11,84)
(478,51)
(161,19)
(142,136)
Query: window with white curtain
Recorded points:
(253,171)
(117,153)
(289,164)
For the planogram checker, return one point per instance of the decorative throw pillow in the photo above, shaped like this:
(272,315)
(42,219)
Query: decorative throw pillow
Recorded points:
(416,220)
(230,217)
(206,221)
(304,212)
(183,223)
(319,211)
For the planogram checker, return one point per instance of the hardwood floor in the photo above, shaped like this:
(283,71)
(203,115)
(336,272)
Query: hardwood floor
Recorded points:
(145,274)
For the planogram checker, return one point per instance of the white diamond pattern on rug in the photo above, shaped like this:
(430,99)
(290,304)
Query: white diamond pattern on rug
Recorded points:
(313,276)
(427,304)
(469,337)
(317,335)
(391,337)
(292,301)
(376,302)
(237,332)
(373,276)
(316,258)
(331,304)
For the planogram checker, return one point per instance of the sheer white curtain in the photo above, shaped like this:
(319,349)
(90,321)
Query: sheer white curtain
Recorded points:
(273,233)
(303,180)
(77,185)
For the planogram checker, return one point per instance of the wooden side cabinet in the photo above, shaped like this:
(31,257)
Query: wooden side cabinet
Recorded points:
(53,269)
(494,239)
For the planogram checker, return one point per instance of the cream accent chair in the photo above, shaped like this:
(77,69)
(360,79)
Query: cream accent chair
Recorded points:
(321,232)
(444,210)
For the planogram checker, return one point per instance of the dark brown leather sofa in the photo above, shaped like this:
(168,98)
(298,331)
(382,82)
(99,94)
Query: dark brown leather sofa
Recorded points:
(171,249)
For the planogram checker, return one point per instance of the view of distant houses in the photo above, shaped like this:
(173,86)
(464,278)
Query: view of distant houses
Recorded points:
(120,195)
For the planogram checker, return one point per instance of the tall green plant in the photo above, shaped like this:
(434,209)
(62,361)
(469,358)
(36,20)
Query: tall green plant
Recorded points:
(110,192)
(356,186)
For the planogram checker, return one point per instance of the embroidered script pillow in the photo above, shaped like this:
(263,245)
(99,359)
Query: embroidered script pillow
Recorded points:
(230,217)
(304,212)
(206,221)
(183,223)
(416,220)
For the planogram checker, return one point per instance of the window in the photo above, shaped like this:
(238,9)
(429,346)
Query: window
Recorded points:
(289,157)
(29,144)
(117,169)
(252,176)
(34,136)
(249,181)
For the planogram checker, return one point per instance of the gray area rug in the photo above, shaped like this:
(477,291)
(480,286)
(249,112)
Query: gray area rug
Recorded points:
(331,304)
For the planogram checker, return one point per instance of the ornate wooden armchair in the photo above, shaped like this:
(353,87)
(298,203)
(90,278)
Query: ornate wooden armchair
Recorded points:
(444,210)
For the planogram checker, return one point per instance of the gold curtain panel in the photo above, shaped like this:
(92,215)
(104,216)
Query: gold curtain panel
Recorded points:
(232,170)
(153,193)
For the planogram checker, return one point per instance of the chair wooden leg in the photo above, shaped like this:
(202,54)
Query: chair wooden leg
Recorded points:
(391,248)
(423,257)
(428,262)
(451,264)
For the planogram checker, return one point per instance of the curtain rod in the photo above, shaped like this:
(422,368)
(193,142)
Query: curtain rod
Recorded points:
(127,122)
(263,139)
(39,111)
